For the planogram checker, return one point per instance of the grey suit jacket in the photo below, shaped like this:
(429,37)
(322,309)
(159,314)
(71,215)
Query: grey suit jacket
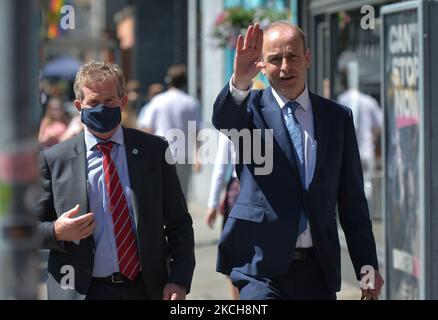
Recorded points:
(163,224)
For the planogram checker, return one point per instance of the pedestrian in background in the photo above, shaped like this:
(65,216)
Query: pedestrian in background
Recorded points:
(175,109)
(74,128)
(367,118)
(153,90)
(223,177)
(54,123)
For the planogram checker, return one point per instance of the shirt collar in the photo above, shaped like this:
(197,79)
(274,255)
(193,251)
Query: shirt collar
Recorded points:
(91,141)
(303,99)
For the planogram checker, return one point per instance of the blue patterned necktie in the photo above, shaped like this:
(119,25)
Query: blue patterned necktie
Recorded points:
(294,128)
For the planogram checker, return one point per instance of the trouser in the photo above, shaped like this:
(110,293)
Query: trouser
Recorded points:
(303,281)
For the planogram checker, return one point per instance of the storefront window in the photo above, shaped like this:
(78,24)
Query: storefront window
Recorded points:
(357,45)
(357,64)
(355,82)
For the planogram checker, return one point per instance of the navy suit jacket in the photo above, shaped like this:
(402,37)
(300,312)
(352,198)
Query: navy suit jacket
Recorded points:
(163,224)
(261,232)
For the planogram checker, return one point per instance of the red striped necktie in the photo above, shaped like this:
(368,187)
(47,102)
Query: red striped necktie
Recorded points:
(127,251)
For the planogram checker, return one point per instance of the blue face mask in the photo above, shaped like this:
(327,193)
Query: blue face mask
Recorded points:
(101,118)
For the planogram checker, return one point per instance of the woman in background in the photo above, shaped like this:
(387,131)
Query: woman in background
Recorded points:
(224,174)
(54,123)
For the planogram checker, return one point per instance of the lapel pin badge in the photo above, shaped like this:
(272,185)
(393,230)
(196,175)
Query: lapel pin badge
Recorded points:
(134,151)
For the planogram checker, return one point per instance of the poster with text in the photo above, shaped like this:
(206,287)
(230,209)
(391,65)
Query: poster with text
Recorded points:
(401,44)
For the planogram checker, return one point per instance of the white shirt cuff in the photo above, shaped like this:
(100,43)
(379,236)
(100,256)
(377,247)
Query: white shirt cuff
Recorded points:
(238,95)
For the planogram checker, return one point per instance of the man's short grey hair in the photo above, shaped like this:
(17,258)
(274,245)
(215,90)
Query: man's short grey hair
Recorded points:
(98,72)
(282,23)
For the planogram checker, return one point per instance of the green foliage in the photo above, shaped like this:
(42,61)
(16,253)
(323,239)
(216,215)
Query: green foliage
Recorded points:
(231,22)
(5,198)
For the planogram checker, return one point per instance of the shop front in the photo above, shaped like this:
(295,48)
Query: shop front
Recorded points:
(344,38)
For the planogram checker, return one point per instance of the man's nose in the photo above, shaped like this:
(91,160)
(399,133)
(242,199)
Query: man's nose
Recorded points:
(286,65)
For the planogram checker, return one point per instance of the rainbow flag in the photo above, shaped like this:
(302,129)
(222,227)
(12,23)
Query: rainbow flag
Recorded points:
(54,18)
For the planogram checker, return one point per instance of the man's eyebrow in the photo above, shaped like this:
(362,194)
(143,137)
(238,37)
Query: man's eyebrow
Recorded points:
(273,55)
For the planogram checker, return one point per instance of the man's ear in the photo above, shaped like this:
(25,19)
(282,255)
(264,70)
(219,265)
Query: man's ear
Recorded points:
(78,105)
(308,58)
(124,102)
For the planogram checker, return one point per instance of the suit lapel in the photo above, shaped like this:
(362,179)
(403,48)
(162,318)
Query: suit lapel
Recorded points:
(134,160)
(321,130)
(272,114)
(274,119)
(79,175)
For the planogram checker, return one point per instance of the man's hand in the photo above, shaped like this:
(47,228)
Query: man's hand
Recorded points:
(210,217)
(174,292)
(247,62)
(68,228)
(374,289)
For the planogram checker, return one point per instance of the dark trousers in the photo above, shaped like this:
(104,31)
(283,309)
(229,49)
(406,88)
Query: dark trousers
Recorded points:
(105,289)
(303,281)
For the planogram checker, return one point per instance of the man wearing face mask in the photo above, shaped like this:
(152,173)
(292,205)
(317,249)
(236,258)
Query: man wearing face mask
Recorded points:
(112,211)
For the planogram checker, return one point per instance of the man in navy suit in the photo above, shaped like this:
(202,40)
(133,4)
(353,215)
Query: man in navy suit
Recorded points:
(281,239)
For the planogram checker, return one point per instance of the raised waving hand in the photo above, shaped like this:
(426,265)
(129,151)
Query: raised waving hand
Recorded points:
(247,61)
